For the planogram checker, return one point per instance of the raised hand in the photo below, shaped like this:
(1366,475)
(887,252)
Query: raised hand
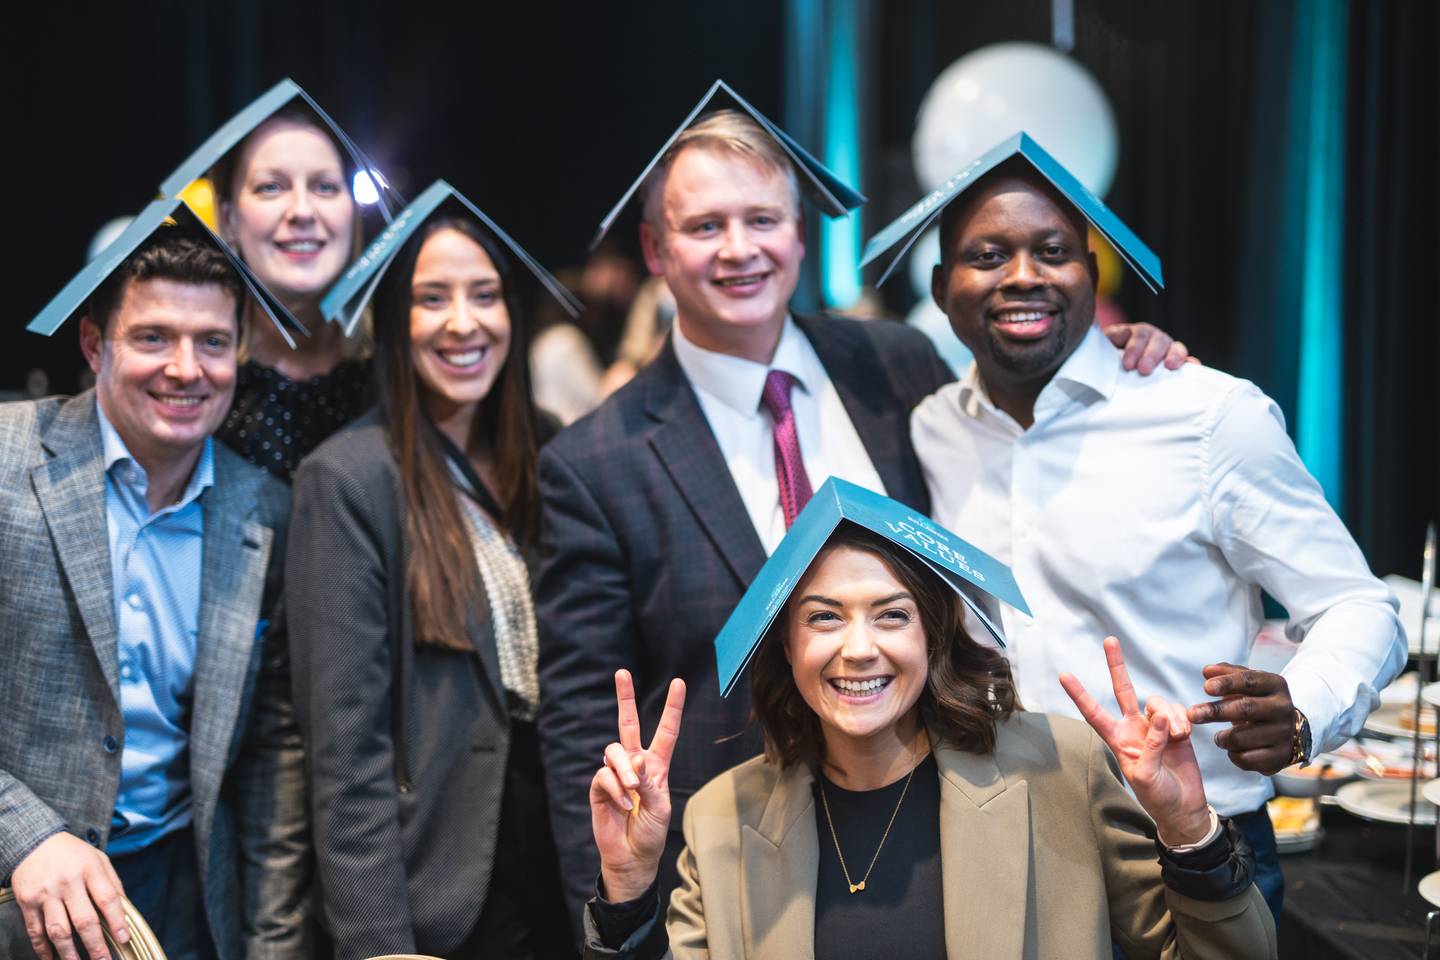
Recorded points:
(630,795)
(1156,757)
(1258,705)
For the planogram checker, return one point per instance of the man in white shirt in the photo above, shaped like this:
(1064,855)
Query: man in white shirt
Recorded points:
(660,507)
(1155,509)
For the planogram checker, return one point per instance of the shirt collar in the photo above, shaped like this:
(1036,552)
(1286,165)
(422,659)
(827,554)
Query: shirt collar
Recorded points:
(1092,369)
(737,382)
(133,474)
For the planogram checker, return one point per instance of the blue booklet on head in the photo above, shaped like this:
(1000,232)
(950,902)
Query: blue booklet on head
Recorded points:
(159,215)
(976,576)
(897,238)
(238,127)
(834,197)
(347,298)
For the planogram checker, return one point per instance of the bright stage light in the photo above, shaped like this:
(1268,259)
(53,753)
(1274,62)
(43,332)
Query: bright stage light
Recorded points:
(364,189)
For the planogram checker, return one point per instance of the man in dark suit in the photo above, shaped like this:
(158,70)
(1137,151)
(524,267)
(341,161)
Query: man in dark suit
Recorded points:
(662,505)
(149,746)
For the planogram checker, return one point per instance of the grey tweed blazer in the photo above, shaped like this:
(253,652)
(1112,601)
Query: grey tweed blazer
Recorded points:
(59,687)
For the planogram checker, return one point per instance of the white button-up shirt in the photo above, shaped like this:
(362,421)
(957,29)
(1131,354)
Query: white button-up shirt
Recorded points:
(1157,509)
(729,390)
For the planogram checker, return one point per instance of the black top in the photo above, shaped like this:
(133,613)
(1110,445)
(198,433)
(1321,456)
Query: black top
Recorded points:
(901,910)
(275,422)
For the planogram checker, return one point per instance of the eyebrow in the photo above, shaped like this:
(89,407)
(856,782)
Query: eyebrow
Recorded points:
(830,602)
(445,284)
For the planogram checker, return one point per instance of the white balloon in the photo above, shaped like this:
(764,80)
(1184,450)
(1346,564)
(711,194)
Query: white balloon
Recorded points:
(1000,90)
(923,257)
(108,233)
(931,321)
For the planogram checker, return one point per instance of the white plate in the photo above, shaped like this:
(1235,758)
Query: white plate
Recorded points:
(1383,800)
(1300,843)
(1407,591)
(1431,695)
(1386,721)
(1430,887)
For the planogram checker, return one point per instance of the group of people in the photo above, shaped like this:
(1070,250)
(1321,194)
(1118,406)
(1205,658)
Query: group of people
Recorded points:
(317,643)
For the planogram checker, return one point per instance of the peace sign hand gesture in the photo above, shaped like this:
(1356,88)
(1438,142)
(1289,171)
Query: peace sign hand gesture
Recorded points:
(630,795)
(1154,752)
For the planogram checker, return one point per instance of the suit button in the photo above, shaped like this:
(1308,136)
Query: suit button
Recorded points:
(93,836)
(110,744)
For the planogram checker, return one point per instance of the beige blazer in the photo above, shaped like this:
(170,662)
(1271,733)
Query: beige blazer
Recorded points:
(1043,854)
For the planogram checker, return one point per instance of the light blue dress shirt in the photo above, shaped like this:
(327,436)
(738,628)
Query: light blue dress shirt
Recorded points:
(155,561)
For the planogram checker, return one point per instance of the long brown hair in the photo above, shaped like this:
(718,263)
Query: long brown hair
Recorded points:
(441,575)
(968,687)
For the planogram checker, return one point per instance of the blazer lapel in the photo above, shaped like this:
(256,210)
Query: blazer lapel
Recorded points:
(686,447)
(236,553)
(880,417)
(779,865)
(984,856)
(71,490)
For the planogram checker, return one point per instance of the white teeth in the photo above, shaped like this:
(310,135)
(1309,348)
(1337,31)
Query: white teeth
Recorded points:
(180,401)
(1022,317)
(300,246)
(861,686)
(463,359)
(738,281)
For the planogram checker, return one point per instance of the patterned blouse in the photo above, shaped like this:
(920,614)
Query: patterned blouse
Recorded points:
(275,421)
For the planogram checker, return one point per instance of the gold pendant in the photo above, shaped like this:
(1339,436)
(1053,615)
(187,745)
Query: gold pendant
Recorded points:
(857,887)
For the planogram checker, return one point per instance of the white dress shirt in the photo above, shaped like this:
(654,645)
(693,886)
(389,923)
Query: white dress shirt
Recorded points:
(729,390)
(1156,509)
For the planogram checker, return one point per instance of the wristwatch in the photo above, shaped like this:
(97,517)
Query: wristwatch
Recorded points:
(1300,747)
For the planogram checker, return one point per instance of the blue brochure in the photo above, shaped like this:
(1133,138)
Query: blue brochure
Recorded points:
(72,298)
(238,127)
(346,300)
(973,574)
(902,234)
(834,196)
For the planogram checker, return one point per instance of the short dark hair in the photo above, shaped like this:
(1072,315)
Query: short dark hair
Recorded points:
(183,254)
(1015,168)
(968,687)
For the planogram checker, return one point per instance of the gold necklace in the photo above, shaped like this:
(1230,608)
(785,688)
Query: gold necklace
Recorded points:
(860,887)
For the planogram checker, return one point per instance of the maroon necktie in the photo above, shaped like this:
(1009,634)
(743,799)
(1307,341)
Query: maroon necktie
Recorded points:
(789,465)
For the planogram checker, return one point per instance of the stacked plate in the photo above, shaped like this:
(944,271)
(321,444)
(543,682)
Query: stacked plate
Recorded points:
(1388,801)
(1297,823)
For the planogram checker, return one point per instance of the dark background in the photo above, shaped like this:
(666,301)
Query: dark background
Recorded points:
(543,112)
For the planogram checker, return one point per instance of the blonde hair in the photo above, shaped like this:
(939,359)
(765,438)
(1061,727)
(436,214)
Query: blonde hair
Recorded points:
(228,170)
(723,130)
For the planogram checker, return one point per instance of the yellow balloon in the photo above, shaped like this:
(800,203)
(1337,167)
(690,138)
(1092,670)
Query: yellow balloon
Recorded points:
(1112,268)
(200,197)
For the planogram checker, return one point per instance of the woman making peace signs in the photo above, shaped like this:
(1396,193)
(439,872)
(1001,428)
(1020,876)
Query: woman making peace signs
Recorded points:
(905,806)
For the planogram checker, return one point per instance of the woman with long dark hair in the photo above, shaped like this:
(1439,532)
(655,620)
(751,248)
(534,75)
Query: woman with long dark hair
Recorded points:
(411,627)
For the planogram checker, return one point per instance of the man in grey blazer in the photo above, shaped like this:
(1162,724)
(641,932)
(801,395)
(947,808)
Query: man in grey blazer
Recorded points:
(149,744)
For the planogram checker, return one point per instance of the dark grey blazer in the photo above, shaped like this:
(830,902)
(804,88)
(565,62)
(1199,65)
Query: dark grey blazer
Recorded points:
(647,547)
(59,687)
(407,746)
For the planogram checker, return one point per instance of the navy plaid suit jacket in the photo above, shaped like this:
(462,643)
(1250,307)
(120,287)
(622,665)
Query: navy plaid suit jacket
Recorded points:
(647,547)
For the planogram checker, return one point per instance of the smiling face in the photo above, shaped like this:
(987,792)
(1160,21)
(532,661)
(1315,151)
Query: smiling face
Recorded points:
(165,366)
(857,648)
(1017,281)
(291,213)
(459,324)
(729,242)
